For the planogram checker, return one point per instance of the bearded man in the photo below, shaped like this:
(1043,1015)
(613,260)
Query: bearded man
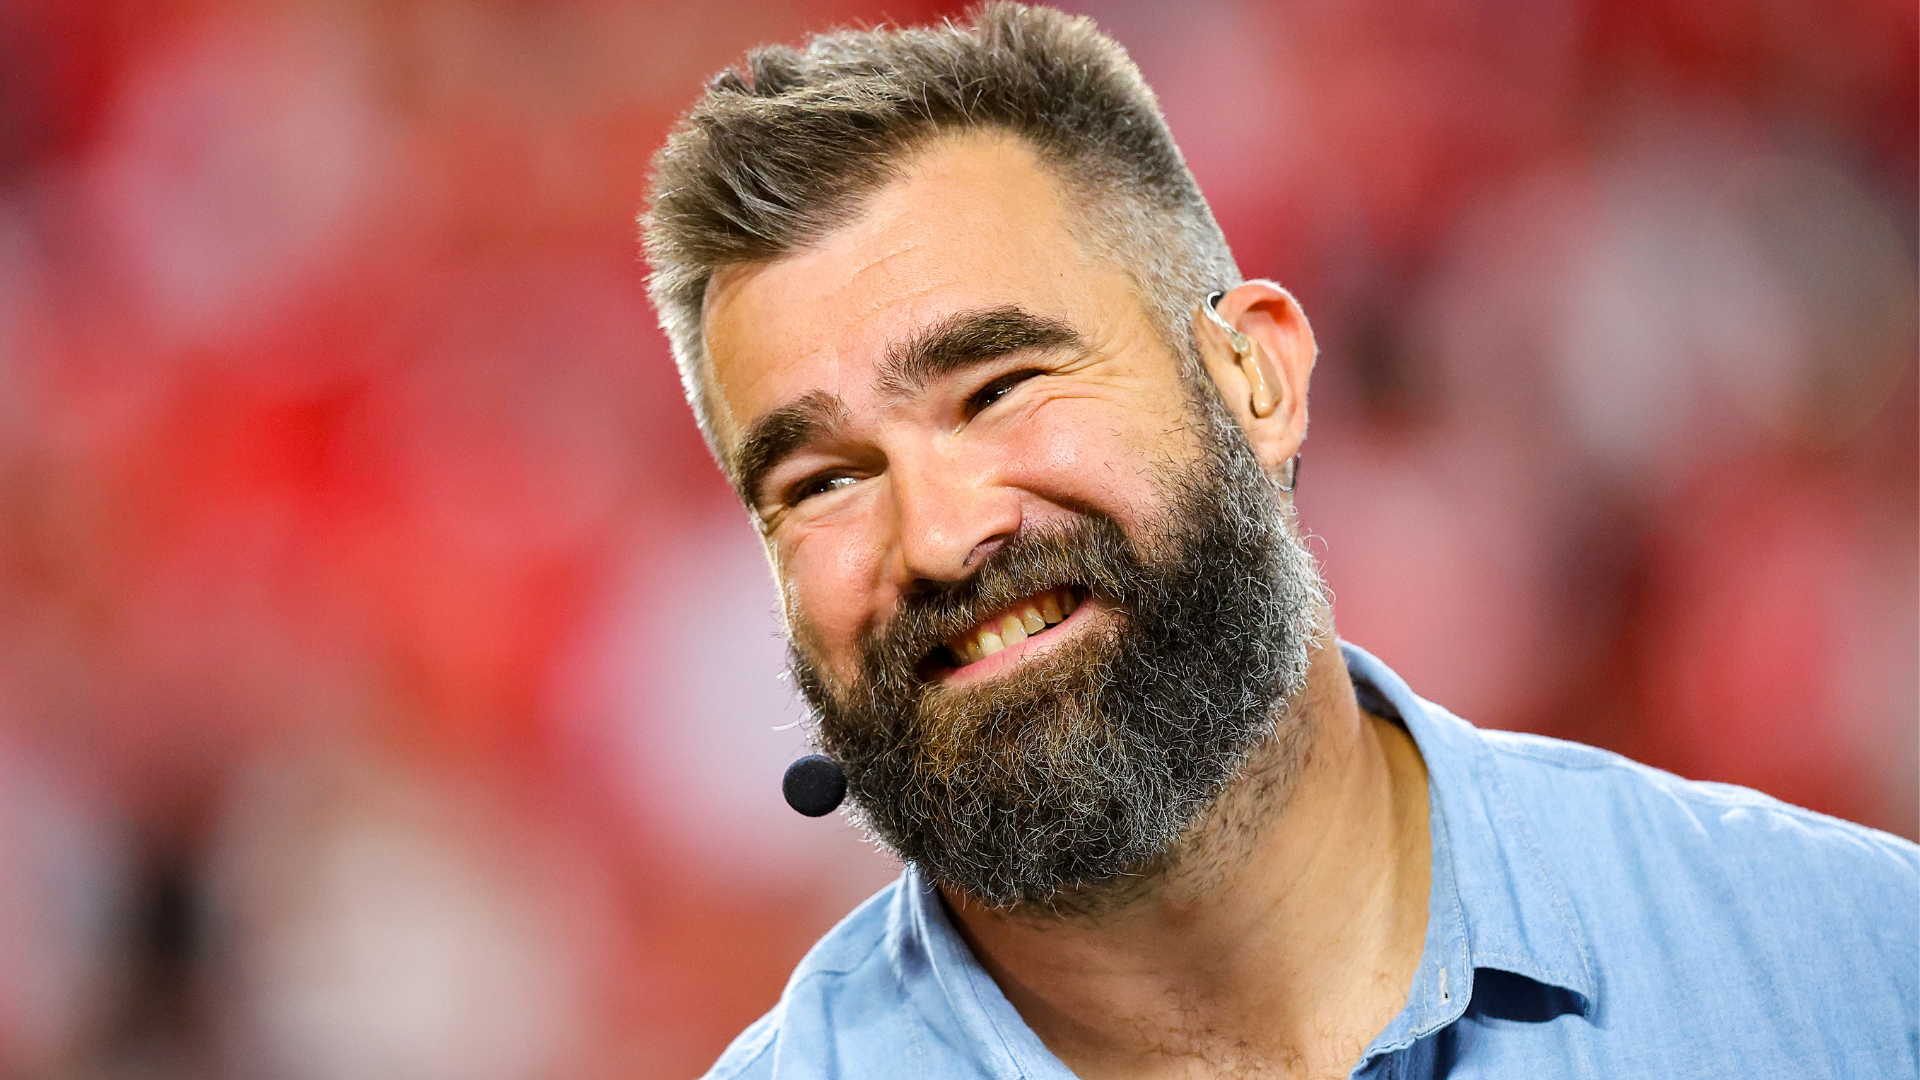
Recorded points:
(1021,443)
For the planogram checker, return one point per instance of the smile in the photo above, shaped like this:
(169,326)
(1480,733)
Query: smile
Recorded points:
(1013,624)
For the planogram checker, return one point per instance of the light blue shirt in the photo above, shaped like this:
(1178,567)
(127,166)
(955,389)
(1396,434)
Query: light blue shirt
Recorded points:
(1589,917)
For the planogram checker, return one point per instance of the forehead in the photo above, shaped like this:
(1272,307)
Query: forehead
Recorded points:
(973,223)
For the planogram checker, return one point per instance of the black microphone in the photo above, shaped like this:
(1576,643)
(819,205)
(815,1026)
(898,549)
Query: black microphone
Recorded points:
(814,785)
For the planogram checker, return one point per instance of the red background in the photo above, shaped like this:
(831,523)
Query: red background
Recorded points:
(388,683)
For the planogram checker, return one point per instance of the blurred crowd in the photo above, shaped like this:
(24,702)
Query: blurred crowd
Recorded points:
(389,686)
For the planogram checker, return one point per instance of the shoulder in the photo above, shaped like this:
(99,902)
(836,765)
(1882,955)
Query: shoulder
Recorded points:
(847,971)
(1587,789)
(1689,892)
(1637,847)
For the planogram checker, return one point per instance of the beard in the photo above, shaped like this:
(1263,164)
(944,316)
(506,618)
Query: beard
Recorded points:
(1068,781)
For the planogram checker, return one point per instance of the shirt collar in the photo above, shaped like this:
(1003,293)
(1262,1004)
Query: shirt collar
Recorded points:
(1495,902)
(987,1029)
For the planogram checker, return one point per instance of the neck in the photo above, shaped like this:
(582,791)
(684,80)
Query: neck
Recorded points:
(1280,938)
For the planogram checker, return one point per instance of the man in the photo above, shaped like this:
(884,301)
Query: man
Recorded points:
(1021,444)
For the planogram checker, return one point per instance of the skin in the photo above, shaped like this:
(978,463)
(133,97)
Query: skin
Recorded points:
(1287,931)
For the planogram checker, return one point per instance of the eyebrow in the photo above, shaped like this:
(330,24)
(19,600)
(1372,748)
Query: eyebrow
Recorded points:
(963,339)
(949,345)
(775,436)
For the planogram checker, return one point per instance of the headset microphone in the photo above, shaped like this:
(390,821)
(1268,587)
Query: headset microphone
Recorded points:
(814,785)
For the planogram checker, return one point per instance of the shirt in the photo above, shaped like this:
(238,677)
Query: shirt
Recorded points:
(1589,916)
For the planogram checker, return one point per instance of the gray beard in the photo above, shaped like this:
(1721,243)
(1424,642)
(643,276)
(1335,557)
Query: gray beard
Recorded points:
(1071,781)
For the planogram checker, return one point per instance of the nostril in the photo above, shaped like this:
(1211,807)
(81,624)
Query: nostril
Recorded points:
(984,550)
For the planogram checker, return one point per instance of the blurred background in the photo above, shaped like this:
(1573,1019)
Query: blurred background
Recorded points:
(389,684)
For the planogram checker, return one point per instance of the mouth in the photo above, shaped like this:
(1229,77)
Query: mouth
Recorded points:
(1014,625)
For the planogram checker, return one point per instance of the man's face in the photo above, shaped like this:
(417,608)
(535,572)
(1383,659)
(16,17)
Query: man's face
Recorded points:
(899,487)
(1024,564)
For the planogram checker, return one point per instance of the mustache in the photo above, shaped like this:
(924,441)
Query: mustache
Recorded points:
(1092,554)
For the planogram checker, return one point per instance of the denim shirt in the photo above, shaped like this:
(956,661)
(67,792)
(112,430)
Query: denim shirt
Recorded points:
(1589,917)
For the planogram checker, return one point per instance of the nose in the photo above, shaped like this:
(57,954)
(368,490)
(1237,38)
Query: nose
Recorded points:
(949,518)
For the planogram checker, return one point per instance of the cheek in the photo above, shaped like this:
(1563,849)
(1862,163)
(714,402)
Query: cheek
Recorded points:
(1103,460)
(829,579)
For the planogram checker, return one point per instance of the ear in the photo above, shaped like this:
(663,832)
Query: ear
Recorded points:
(1267,390)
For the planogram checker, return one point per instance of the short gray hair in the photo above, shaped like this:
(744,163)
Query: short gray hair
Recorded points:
(781,152)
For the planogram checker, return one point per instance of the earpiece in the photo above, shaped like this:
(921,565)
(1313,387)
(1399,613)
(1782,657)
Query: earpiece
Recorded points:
(1262,379)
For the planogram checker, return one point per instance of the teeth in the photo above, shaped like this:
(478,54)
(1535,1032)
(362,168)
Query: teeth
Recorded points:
(990,643)
(1050,607)
(1042,611)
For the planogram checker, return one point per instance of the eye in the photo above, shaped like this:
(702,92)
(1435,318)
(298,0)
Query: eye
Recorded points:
(818,484)
(997,389)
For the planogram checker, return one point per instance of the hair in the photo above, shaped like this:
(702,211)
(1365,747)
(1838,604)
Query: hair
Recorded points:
(784,150)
